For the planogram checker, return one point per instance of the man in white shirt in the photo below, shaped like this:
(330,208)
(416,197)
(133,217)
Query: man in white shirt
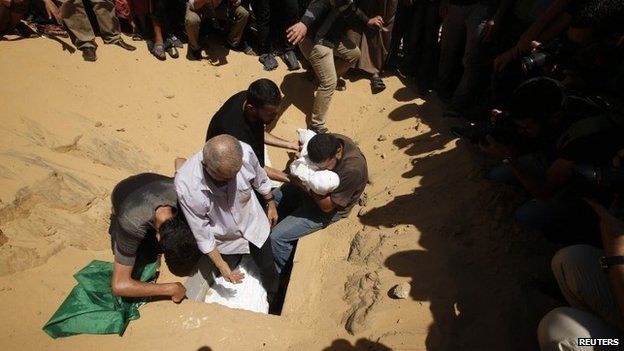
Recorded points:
(215,191)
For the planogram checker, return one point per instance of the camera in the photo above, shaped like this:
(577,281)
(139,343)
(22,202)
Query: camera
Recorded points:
(606,178)
(500,127)
(546,54)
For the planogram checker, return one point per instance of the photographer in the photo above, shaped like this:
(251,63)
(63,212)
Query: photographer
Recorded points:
(596,295)
(555,132)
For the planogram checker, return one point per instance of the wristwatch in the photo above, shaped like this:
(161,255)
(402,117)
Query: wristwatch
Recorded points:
(608,261)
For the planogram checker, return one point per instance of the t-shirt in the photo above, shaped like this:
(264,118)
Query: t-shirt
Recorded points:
(135,200)
(230,120)
(353,173)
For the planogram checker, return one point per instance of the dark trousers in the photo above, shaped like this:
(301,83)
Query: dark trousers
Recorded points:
(263,258)
(273,17)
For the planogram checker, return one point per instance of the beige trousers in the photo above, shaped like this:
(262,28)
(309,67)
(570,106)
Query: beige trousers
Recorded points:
(193,18)
(594,313)
(76,20)
(328,65)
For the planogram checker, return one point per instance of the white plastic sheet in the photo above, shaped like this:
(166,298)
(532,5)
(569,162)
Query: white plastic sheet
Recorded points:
(248,295)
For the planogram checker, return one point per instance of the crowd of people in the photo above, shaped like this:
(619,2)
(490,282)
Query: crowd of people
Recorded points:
(537,84)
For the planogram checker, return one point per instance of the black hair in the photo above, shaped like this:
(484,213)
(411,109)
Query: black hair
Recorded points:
(322,147)
(537,99)
(178,245)
(605,16)
(263,92)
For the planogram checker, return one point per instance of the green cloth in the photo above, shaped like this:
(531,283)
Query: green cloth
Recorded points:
(91,307)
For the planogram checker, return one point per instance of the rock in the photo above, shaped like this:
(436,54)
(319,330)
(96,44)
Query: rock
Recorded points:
(98,124)
(383,156)
(375,147)
(217,74)
(169,95)
(121,129)
(382,138)
(401,291)
(361,212)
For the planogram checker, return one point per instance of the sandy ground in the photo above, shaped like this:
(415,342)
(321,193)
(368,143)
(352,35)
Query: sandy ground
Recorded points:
(71,130)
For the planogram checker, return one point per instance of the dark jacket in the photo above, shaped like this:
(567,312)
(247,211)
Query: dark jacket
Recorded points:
(327,19)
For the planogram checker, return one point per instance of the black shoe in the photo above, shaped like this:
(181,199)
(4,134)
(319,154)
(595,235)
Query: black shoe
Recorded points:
(193,54)
(341,85)
(290,59)
(88,54)
(242,47)
(268,61)
(122,44)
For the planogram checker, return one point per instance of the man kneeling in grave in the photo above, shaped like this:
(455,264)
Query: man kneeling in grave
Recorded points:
(215,191)
(145,222)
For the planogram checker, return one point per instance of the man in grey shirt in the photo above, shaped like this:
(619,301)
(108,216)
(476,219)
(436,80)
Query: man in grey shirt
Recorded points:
(145,222)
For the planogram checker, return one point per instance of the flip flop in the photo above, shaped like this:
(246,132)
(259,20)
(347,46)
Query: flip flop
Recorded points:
(177,43)
(377,85)
(158,50)
(52,29)
(137,37)
(171,49)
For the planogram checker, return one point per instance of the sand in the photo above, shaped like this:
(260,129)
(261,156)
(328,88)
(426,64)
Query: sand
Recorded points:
(71,130)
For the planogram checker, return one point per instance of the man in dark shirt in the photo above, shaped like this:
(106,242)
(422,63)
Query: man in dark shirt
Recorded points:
(145,222)
(245,115)
(321,35)
(303,212)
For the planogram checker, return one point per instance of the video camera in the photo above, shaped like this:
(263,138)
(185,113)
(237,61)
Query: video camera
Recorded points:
(550,53)
(500,127)
(603,178)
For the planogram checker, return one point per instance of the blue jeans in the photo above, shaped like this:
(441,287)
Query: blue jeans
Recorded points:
(300,216)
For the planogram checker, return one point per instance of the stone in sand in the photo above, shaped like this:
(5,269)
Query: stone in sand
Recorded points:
(401,291)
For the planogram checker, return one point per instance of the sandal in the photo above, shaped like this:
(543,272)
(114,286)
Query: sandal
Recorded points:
(158,50)
(137,37)
(171,49)
(52,29)
(377,85)
(177,43)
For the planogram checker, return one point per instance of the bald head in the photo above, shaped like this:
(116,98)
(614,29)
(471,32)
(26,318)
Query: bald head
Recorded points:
(223,157)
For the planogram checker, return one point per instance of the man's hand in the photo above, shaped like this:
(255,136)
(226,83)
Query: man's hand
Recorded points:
(234,277)
(501,61)
(376,22)
(179,293)
(296,33)
(489,30)
(272,212)
(53,11)
(494,149)
(294,145)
